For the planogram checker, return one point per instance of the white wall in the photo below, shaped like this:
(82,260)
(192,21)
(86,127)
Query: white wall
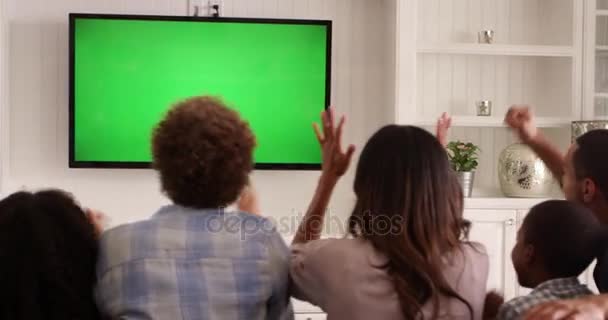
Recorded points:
(34,144)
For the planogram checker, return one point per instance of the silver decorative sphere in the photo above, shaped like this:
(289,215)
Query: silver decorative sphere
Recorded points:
(523,174)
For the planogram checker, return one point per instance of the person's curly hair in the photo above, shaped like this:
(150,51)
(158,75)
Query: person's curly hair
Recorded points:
(203,152)
(48,251)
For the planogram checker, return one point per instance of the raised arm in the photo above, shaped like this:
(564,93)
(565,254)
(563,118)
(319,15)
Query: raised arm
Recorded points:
(443,126)
(335,164)
(521,120)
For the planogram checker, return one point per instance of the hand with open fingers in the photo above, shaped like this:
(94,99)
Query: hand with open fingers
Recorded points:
(587,308)
(521,119)
(443,126)
(335,159)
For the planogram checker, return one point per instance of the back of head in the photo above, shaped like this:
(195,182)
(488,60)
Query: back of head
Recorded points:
(48,250)
(203,152)
(591,157)
(565,235)
(409,206)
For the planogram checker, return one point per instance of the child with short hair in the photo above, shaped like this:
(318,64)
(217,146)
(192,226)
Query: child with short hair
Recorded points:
(194,259)
(557,241)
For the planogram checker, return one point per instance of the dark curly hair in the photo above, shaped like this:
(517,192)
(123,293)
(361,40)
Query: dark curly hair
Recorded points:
(48,250)
(203,152)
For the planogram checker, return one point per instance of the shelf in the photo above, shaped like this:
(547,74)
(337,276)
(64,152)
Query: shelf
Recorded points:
(497,49)
(601,95)
(499,202)
(601,12)
(475,121)
(601,48)
(495,199)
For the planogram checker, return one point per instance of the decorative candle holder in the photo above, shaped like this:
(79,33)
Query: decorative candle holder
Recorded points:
(486,36)
(484,108)
(579,128)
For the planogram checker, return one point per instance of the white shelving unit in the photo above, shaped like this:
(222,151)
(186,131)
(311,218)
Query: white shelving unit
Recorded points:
(495,122)
(595,100)
(498,50)
(536,59)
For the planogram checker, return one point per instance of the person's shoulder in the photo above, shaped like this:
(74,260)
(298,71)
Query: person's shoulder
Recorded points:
(514,308)
(341,249)
(123,231)
(475,251)
(318,254)
(476,248)
(115,245)
(328,244)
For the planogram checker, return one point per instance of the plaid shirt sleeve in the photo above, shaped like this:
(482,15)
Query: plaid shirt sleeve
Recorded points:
(509,311)
(279,306)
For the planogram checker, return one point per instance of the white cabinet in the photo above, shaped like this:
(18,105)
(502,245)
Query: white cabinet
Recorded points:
(496,230)
(303,307)
(596,60)
(535,58)
(310,316)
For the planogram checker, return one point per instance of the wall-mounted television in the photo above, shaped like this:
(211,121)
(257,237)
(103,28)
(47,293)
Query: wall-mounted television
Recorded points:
(127,70)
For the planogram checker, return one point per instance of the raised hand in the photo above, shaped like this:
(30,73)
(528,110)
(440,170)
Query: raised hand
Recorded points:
(521,119)
(98,219)
(335,159)
(443,126)
(248,201)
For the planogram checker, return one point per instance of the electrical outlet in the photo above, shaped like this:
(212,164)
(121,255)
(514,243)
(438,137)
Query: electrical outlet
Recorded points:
(205,8)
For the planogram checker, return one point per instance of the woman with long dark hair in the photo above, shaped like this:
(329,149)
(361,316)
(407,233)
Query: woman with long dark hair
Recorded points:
(48,251)
(407,256)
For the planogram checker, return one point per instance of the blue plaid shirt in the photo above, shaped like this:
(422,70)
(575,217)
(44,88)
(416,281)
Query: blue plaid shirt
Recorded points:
(556,289)
(194,264)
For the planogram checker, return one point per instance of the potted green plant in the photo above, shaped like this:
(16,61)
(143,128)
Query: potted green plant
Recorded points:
(463,158)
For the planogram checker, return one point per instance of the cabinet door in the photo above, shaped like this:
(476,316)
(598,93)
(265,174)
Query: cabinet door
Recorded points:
(310,316)
(300,306)
(595,77)
(496,229)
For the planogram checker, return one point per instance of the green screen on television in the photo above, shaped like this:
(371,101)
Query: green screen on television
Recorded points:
(127,71)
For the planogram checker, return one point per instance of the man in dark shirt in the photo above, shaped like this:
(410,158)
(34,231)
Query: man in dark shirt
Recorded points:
(582,172)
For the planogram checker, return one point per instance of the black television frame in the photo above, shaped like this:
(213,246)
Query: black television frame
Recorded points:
(144,165)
